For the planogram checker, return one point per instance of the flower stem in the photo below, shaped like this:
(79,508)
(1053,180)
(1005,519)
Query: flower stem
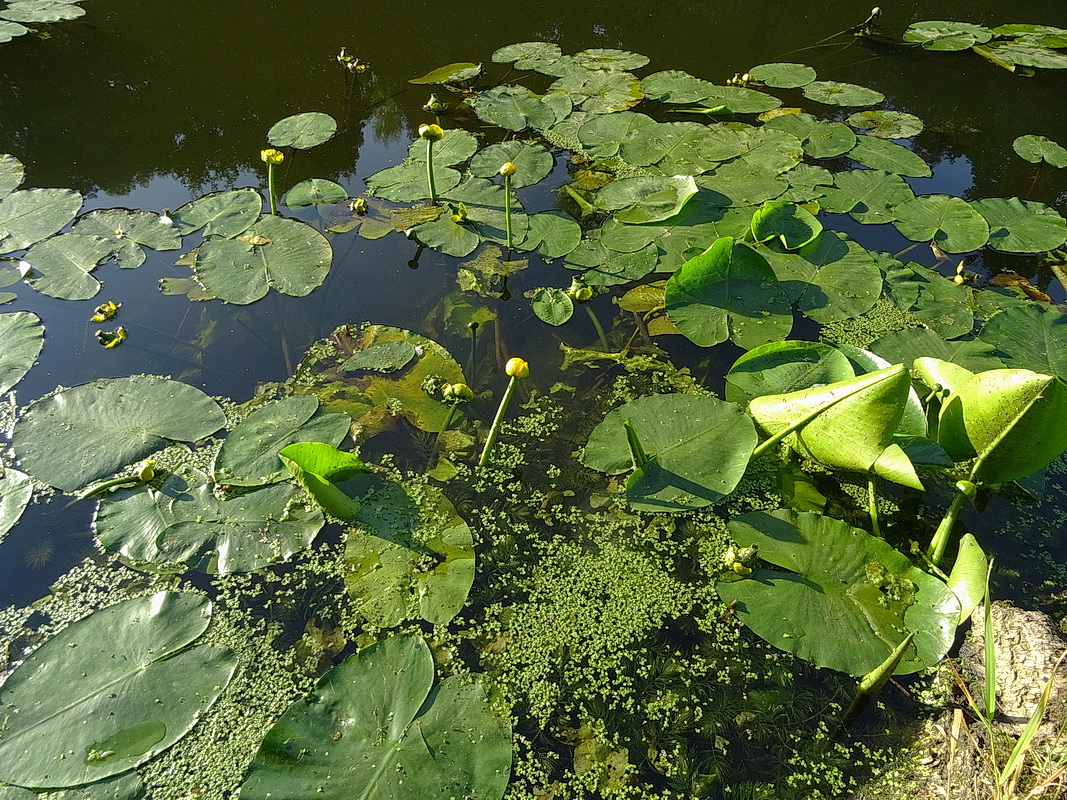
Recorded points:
(944,530)
(872,505)
(494,429)
(429,172)
(599,328)
(507,208)
(270,189)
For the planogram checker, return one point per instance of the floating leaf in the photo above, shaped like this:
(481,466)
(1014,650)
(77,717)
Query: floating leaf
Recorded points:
(142,227)
(30,215)
(698,449)
(384,357)
(744,182)
(1036,149)
(602,134)
(679,148)
(12,172)
(1029,337)
(528,55)
(15,492)
(41,11)
(317,467)
(819,138)
(23,336)
(606,58)
(10,30)
(513,107)
(793,225)
(642,199)
(134,690)
(88,432)
(603,267)
(408,556)
(881,154)
(770,149)
(407,183)
(600,92)
(870,196)
(938,35)
(781,367)
(949,222)
(552,233)
(222,214)
(60,266)
(942,305)
(295,261)
(886,124)
(903,347)
(1020,226)
(486,219)
(675,86)
(553,306)
(315,192)
(372,721)
(303,131)
(454,147)
(834,93)
(847,600)
(532,162)
(806,183)
(248,456)
(783,74)
(458,72)
(1028,55)
(184,522)
(729,292)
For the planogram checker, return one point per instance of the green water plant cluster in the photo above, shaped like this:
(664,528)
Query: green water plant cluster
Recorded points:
(20,17)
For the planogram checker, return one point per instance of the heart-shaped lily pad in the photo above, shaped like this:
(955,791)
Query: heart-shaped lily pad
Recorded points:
(303,131)
(225,214)
(950,222)
(23,336)
(30,215)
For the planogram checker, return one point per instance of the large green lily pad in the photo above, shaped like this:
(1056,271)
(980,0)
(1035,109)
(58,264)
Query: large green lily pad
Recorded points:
(843,599)
(303,131)
(315,192)
(224,214)
(939,35)
(949,222)
(128,230)
(372,728)
(903,347)
(679,148)
(820,138)
(600,91)
(287,254)
(528,55)
(552,233)
(484,203)
(644,199)
(15,493)
(406,183)
(409,555)
(886,124)
(532,162)
(60,266)
(513,107)
(877,153)
(12,173)
(88,432)
(454,147)
(675,86)
(1029,337)
(783,74)
(698,449)
(23,336)
(1036,149)
(41,11)
(132,690)
(781,367)
(30,215)
(835,93)
(1021,226)
(792,225)
(870,196)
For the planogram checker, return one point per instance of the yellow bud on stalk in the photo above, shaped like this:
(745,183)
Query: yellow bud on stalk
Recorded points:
(517,368)
(272,156)
(508,169)
(431,133)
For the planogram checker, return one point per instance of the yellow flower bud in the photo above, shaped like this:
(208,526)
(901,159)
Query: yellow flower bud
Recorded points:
(272,156)
(459,392)
(431,133)
(517,368)
(508,169)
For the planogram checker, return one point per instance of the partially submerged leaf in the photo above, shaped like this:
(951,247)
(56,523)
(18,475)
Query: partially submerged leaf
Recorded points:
(643,199)
(315,192)
(459,72)
(23,336)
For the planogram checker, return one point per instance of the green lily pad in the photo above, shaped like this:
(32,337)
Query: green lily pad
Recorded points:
(942,305)
(528,55)
(183,522)
(1036,149)
(318,467)
(833,93)
(847,600)
(384,357)
(698,449)
(781,367)
(248,456)
(374,400)
(675,86)
(224,214)
(60,266)
(1028,55)
(23,336)
(513,107)
(939,35)
(11,30)
(881,154)
(600,91)
(532,162)
(553,306)
(886,124)
(870,196)
(128,231)
(642,199)
(949,222)
(819,138)
(552,233)
(315,192)
(770,149)
(738,100)
(458,72)
(15,492)
(295,260)
(607,58)
(603,267)
(602,134)
(679,148)
(783,74)
(1029,337)
(792,225)
(903,347)
(30,215)
(486,219)
(729,292)
(408,556)
(454,147)
(12,173)
(807,182)
(303,131)
(1020,226)
(744,182)
(407,183)
(372,721)
(134,690)
(89,432)
(41,11)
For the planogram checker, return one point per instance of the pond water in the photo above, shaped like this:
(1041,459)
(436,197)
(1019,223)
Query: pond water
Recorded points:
(150,105)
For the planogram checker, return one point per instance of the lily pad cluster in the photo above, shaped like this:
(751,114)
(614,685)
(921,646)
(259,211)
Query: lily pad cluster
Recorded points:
(1016,47)
(20,17)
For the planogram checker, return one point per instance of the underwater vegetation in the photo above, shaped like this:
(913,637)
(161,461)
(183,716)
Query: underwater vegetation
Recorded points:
(593,579)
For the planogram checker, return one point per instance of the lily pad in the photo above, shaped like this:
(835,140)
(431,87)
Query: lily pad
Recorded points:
(248,456)
(15,492)
(318,467)
(532,162)
(744,182)
(553,306)
(134,690)
(88,432)
(833,93)
(1036,149)
(770,149)
(1021,226)
(819,138)
(847,600)
(601,135)
(315,192)
(513,107)
(886,124)
(729,292)
(1028,55)
(642,199)
(528,55)
(949,222)
(303,131)
(458,73)
(783,74)
(870,196)
(792,225)
(23,336)
(600,91)
(939,35)
(12,173)
(485,219)
(739,100)
(698,448)
(552,233)
(942,305)
(10,30)
(407,183)
(675,86)
(384,357)
(224,214)
(607,58)
(372,721)
(408,556)
(903,347)
(781,367)
(30,215)
(41,11)
(603,267)
(1029,337)
(881,154)
(128,231)
(454,147)
(60,266)
(679,148)
(293,257)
